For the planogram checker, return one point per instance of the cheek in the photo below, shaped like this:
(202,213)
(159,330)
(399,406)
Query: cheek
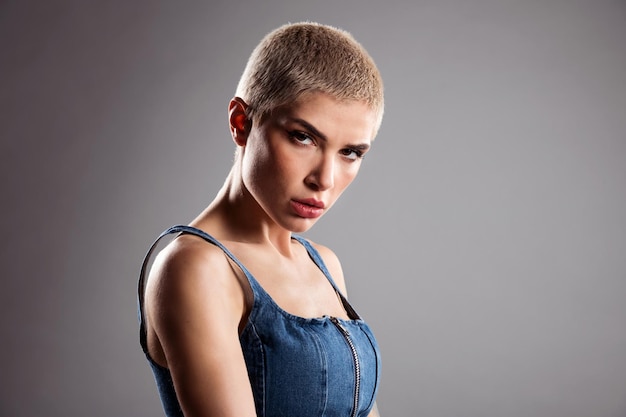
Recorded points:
(345,178)
(285,164)
(256,160)
(351,172)
(268,166)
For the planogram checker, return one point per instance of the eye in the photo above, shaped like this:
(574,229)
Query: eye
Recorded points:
(352,154)
(301,138)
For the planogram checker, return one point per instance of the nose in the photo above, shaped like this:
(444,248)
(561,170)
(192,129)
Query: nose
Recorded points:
(322,175)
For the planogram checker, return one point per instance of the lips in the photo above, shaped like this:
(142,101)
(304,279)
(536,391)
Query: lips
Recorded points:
(308,208)
(311,202)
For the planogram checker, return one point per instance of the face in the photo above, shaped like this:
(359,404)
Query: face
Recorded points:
(302,157)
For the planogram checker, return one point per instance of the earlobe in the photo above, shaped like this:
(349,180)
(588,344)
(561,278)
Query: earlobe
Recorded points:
(238,120)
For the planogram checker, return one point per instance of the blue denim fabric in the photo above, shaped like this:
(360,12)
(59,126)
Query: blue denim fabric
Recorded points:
(298,367)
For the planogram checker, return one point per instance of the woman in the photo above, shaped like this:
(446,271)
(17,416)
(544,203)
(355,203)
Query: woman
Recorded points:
(239,316)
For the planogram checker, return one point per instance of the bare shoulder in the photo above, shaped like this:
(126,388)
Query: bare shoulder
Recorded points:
(191,279)
(189,260)
(188,251)
(333,264)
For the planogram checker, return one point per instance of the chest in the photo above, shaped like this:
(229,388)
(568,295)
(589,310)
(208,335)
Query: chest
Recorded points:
(298,286)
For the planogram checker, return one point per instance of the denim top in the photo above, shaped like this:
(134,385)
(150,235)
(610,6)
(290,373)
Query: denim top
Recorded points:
(298,367)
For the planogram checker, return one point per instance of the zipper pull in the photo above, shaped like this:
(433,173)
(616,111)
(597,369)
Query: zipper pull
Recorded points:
(338,324)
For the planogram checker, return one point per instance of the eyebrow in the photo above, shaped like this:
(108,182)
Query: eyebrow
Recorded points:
(308,126)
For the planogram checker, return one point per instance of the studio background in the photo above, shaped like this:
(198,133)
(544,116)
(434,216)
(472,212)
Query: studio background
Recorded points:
(484,239)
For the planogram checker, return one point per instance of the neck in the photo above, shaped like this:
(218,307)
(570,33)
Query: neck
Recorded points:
(235,215)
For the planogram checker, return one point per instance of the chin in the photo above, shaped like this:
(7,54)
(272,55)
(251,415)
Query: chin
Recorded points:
(302,226)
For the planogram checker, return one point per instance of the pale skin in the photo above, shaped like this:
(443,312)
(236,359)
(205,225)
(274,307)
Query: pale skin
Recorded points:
(196,297)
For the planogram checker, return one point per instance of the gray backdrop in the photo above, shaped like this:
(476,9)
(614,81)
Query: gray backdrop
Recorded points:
(484,240)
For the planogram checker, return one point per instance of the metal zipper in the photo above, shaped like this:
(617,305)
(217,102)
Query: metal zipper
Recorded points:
(357,365)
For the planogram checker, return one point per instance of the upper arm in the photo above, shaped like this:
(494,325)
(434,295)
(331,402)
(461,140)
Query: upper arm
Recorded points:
(194,304)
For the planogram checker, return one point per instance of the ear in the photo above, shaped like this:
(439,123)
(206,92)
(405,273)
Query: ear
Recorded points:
(238,120)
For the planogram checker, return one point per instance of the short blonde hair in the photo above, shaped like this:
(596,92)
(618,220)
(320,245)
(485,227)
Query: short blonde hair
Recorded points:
(309,57)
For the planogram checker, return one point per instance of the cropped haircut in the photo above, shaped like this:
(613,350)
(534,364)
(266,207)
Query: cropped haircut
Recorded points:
(309,57)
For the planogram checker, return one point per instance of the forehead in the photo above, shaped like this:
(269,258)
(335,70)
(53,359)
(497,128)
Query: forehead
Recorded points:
(349,119)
